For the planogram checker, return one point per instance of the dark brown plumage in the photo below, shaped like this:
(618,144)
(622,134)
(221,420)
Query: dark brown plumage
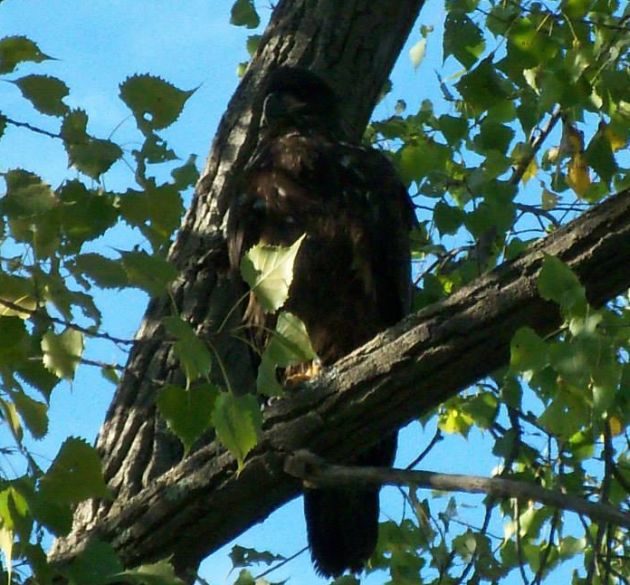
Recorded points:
(351,275)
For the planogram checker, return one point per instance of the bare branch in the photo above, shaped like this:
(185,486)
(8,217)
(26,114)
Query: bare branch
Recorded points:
(316,471)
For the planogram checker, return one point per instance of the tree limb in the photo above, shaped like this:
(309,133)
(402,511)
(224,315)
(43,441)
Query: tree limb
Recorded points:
(202,503)
(316,471)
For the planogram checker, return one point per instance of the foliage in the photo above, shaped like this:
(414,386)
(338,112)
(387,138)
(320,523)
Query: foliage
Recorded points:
(49,276)
(532,129)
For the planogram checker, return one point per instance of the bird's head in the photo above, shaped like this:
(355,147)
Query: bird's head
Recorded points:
(297,98)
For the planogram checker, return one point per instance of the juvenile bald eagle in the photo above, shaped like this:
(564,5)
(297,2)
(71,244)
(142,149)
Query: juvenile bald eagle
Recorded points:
(351,276)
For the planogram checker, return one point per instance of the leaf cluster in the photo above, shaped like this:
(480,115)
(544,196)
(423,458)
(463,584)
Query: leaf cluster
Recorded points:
(52,266)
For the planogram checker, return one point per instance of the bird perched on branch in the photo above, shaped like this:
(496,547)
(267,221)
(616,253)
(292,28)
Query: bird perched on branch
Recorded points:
(351,275)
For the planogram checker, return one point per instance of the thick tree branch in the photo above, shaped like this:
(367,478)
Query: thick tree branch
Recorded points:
(316,471)
(409,369)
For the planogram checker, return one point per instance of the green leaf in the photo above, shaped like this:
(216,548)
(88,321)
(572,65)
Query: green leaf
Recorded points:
(599,156)
(75,474)
(15,513)
(150,273)
(18,293)
(14,341)
(447,219)
(34,373)
(85,214)
(91,156)
(453,420)
(97,564)
(18,49)
(557,283)
(482,87)
(27,195)
(187,175)
(528,46)
(483,409)
(493,136)
(244,557)
(105,272)
(462,38)
(238,421)
(416,161)
(33,413)
(527,351)
(110,374)
(45,93)
(454,129)
(253,42)
(188,412)
(157,211)
(245,578)
(160,573)
(11,417)
(62,353)
(268,270)
(244,14)
(192,352)
(289,345)
(155,103)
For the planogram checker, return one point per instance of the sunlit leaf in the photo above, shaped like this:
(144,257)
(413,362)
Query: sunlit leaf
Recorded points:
(289,345)
(11,417)
(268,270)
(6,546)
(416,53)
(62,353)
(578,177)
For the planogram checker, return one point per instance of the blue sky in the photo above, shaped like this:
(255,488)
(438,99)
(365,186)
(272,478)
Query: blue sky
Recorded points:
(97,45)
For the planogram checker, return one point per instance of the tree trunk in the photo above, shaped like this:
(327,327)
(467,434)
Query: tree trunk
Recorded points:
(354,46)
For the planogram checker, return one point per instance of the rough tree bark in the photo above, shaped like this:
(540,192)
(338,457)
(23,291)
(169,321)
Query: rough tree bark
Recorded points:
(353,45)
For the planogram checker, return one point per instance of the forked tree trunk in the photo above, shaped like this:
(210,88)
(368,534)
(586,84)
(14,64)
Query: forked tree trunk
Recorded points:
(353,45)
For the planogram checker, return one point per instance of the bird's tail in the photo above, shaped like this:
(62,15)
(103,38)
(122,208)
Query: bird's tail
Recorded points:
(342,524)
